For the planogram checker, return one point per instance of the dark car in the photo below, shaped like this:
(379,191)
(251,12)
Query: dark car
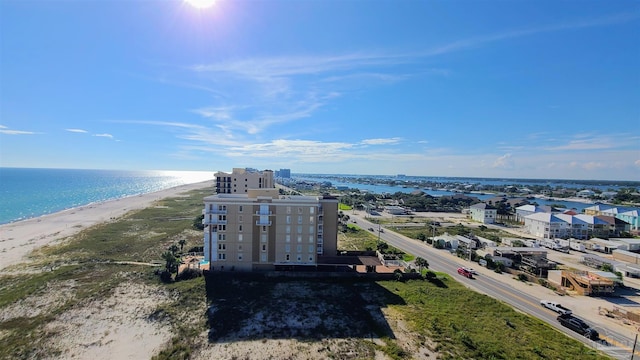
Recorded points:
(578,326)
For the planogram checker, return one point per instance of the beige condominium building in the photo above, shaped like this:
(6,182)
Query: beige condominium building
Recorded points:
(263,230)
(241,180)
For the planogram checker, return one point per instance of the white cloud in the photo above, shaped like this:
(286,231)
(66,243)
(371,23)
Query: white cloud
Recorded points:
(394,140)
(637,163)
(5,130)
(504,162)
(76,131)
(104,135)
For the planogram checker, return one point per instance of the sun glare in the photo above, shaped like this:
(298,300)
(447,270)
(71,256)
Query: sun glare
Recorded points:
(200,4)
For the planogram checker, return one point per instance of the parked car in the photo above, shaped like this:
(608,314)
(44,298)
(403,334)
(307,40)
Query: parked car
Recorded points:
(464,272)
(554,306)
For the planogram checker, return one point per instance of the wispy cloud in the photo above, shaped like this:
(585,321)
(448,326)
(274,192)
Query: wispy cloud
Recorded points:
(104,135)
(76,131)
(505,162)
(394,140)
(5,130)
(569,25)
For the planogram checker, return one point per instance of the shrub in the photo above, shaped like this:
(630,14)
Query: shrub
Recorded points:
(188,274)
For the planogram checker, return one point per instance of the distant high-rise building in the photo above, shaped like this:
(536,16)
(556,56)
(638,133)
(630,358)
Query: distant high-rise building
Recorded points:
(283,173)
(261,230)
(241,180)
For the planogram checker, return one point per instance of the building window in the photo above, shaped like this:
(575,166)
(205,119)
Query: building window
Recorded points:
(310,239)
(288,229)
(264,247)
(222,207)
(311,258)
(239,218)
(299,210)
(311,219)
(263,238)
(287,257)
(239,247)
(299,258)
(311,228)
(263,257)
(264,228)
(221,237)
(287,248)
(299,248)
(222,227)
(240,208)
(287,238)
(240,257)
(299,219)
(239,227)
(288,219)
(222,256)
(288,209)
(299,229)
(312,210)
(310,248)
(222,246)
(299,238)
(211,207)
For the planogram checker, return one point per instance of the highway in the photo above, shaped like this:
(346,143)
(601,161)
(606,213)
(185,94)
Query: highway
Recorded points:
(615,344)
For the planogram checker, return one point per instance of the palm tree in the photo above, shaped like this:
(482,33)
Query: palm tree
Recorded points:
(182,242)
(421,263)
(170,261)
(174,249)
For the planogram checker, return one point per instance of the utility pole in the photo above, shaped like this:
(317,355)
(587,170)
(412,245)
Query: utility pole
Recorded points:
(633,351)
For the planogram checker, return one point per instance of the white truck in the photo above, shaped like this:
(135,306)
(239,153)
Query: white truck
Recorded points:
(554,306)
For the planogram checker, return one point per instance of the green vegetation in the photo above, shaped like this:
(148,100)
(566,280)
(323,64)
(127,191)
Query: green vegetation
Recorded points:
(443,316)
(97,261)
(342,206)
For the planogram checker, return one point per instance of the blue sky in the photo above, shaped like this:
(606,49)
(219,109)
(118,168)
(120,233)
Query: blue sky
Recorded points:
(513,89)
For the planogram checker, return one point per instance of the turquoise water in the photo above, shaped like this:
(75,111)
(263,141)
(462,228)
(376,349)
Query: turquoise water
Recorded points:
(27,193)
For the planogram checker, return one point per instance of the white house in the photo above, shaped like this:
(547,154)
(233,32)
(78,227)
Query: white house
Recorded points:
(545,225)
(483,213)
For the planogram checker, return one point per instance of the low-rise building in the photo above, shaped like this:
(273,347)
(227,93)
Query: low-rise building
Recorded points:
(483,213)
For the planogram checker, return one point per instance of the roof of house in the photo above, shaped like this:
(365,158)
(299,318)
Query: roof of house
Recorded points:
(590,219)
(482,206)
(534,208)
(571,219)
(546,217)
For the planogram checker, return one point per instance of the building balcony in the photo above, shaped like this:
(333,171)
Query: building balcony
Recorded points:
(214,221)
(263,213)
(214,211)
(263,223)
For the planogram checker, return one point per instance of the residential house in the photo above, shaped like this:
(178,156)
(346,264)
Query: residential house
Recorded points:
(483,213)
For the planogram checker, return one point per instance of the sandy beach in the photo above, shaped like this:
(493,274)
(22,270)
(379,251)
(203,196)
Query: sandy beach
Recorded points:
(18,239)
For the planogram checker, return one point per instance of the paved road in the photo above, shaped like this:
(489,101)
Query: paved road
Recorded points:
(617,345)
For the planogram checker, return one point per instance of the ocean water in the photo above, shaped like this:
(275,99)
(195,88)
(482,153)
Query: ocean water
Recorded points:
(27,193)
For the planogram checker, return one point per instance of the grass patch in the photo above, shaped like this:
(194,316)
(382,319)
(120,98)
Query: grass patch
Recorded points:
(345,207)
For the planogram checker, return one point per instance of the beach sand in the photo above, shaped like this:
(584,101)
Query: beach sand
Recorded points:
(18,239)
